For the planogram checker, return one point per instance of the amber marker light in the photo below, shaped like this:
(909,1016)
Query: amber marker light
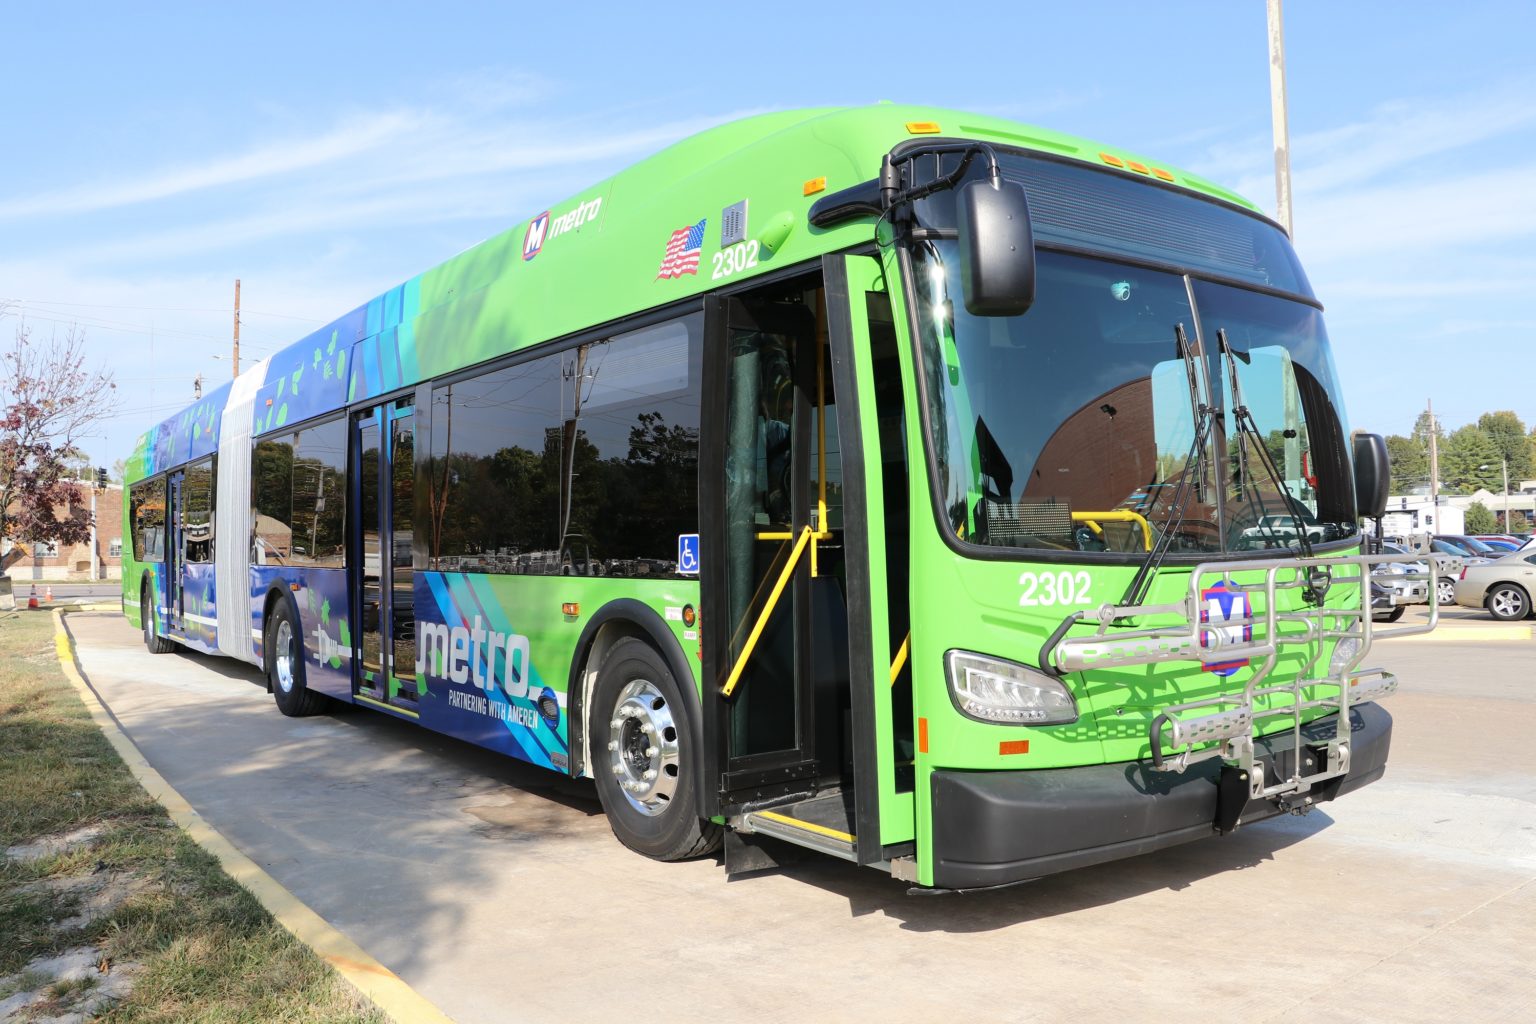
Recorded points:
(1138,168)
(571,608)
(815,185)
(1111,159)
(922,128)
(1162,174)
(689,616)
(1013,747)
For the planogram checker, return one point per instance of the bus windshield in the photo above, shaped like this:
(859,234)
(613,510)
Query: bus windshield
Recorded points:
(1072,427)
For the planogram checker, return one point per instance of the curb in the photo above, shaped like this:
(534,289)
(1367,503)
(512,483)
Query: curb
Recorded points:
(1467,634)
(377,983)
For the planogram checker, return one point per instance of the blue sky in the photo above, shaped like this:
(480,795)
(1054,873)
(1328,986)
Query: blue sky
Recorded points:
(325,152)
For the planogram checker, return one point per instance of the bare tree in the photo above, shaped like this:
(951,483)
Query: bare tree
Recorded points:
(49,401)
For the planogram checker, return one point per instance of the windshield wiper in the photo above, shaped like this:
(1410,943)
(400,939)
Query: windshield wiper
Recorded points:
(1189,481)
(1248,430)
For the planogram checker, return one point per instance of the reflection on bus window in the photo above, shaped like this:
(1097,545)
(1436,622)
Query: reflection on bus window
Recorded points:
(582,462)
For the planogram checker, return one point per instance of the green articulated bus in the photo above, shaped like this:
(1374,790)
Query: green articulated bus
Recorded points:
(945,494)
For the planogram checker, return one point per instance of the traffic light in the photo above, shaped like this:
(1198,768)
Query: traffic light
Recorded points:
(101,478)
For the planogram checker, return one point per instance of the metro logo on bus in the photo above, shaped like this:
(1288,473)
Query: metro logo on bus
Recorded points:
(533,241)
(463,653)
(541,229)
(1223,604)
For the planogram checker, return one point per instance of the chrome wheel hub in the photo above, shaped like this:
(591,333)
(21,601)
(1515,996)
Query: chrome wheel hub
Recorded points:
(1447,592)
(282,656)
(643,751)
(1508,603)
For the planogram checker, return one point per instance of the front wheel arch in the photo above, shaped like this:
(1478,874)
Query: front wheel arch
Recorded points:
(625,617)
(643,750)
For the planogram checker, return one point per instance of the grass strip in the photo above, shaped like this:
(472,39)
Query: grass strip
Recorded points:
(139,891)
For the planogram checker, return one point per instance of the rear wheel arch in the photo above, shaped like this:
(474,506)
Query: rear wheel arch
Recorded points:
(275,594)
(148,599)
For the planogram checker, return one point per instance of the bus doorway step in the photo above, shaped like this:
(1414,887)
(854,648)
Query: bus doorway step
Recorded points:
(823,823)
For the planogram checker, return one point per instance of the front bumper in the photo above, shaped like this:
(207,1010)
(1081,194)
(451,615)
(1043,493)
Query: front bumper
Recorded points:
(995,828)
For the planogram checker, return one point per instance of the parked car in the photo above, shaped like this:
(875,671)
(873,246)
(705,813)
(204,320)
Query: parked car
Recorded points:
(1503,586)
(1450,559)
(1499,544)
(1396,585)
(1471,545)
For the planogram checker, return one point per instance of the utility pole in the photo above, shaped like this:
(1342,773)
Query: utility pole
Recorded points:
(1278,118)
(1434,464)
(94,560)
(236,356)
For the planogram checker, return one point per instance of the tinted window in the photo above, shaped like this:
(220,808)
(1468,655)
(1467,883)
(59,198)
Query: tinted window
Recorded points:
(272,491)
(493,480)
(1113,212)
(299,487)
(197,512)
(319,496)
(146,503)
(583,462)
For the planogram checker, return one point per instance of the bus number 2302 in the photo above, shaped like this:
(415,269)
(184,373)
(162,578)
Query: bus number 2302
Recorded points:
(735,260)
(1053,588)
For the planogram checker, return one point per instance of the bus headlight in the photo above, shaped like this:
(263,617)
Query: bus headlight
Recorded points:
(1344,652)
(1005,692)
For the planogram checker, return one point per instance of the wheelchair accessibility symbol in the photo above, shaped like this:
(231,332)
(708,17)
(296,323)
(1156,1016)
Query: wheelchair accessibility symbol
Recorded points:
(688,554)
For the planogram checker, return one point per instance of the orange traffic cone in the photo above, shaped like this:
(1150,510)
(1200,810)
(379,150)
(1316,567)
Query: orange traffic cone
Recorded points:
(32,597)
(48,595)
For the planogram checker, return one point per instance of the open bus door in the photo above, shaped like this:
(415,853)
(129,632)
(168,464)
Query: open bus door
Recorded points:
(788,665)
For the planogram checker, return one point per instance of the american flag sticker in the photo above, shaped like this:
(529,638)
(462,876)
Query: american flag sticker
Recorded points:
(682,255)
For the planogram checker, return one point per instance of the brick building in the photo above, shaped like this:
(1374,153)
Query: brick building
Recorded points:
(73,561)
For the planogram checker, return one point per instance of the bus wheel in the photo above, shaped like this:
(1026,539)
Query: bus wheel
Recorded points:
(1508,602)
(643,756)
(154,642)
(285,665)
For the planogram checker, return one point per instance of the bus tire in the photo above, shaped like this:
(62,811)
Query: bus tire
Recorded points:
(153,642)
(645,758)
(284,651)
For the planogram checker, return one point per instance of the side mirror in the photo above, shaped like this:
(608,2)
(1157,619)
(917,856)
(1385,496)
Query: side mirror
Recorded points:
(997,248)
(1373,475)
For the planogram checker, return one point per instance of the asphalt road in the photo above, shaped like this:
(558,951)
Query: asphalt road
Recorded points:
(499,893)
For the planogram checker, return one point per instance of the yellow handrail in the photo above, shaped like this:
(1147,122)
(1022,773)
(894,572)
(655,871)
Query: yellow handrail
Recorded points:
(901,658)
(762,619)
(1119,515)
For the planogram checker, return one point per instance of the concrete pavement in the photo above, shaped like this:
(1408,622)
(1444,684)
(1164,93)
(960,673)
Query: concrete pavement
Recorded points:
(497,891)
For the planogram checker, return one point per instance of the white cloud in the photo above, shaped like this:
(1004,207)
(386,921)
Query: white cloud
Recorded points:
(357,137)
(1429,217)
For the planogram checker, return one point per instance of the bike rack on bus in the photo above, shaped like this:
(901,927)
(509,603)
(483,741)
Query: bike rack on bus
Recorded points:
(1225,723)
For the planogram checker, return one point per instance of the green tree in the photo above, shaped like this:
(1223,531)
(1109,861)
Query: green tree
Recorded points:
(1410,463)
(1509,436)
(1421,429)
(1530,449)
(1468,460)
(1480,519)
